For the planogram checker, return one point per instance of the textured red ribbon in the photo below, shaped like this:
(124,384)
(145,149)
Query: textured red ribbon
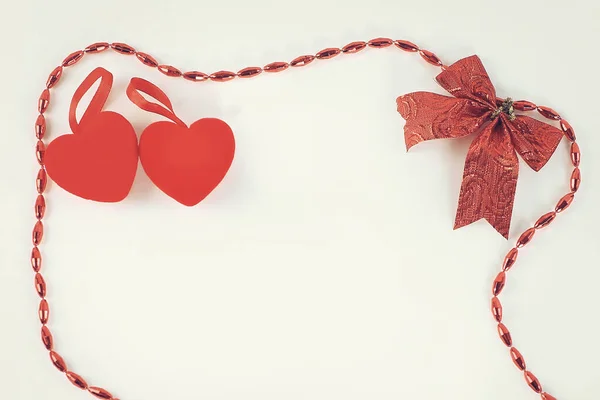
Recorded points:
(491,167)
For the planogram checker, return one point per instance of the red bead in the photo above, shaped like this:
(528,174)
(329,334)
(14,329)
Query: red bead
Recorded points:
(36,259)
(222,76)
(277,66)
(568,130)
(40,152)
(40,285)
(47,338)
(525,237)
(170,70)
(533,382)
(195,76)
(547,396)
(40,207)
(510,259)
(44,102)
(354,47)
(147,59)
(73,58)
(97,47)
(44,312)
(575,180)
(406,45)
(430,57)
(38,233)
(54,77)
(58,361)
(497,309)
(504,335)
(41,181)
(499,283)
(40,127)
(548,112)
(380,42)
(123,48)
(575,154)
(564,202)
(523,105)
(302,61)
(518,359)
(328,53)
(545,220)
(77,380)
(100,393)
(249,72)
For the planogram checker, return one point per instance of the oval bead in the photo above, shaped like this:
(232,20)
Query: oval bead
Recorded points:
(430,57)
(510,259)
(499,283)
(97,47)
(76,380)
(548,113)
(249,72)
(575,180)
(302,61)
(40,152)
(54,77)
(195,76)
(564,202)
(354,47)
(547,396)
(40,285)
(40,127)
(222,76)
(380,43)
(504,335)
(44,312)
(100,393)
(277,66)
(47,339)
(41,181)
(73,58)
(533,382)
(38,233)
(169,70)
(36,259)
(328,53)
(406,45)
(575,154)
(122,48)
(40,207)
(518,359)
(545,220)
(524,105)
(525,237)
(147,59)
(44,101)
(58,361)
(497,309)
(567,130)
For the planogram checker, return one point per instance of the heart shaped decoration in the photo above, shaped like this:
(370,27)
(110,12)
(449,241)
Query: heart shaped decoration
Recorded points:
(98,161)
(186,163)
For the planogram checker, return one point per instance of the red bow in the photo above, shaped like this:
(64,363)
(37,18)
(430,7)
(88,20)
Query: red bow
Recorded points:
(491,167)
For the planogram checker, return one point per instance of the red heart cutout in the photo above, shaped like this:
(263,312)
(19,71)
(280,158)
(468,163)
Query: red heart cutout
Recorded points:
(99,161)
(187,163)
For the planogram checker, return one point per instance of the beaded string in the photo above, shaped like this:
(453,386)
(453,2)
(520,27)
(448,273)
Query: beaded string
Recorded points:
(249,72)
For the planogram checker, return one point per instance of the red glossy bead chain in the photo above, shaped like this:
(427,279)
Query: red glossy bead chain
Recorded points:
(249,72)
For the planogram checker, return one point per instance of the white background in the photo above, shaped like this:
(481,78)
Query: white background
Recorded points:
(325,265)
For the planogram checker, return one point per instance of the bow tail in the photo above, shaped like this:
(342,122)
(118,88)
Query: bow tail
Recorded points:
(489,180)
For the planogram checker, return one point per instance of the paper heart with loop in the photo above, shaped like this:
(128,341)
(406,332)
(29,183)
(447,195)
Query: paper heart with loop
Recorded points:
(186,163)
(98,161)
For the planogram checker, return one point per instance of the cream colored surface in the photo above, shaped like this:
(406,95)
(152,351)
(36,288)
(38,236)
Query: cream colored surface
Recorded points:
(325,266)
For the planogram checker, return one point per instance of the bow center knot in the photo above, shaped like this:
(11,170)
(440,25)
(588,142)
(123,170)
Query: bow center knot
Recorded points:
(507,108)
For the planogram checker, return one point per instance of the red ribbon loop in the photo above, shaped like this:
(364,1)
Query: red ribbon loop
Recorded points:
(97,102)
(137,85)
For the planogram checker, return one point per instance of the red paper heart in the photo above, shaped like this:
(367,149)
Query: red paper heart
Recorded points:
(99,160)
(187,163)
